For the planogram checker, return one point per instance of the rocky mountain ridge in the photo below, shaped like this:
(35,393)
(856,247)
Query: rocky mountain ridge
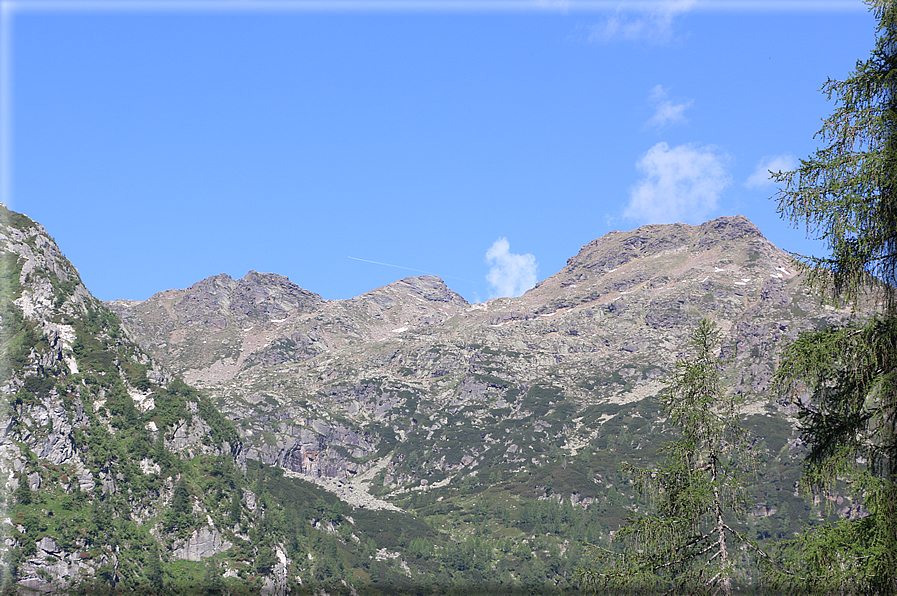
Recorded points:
(114,474)
(472,446)
(265,319)
(334,388)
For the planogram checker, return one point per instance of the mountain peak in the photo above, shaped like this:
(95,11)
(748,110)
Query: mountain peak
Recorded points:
(618,248)
(429,287)
(736,226)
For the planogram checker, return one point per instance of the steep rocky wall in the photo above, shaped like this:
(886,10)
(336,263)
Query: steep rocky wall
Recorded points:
(85,423)
(332,390)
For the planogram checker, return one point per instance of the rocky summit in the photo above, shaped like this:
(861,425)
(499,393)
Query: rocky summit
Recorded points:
(249,436)
(412,381)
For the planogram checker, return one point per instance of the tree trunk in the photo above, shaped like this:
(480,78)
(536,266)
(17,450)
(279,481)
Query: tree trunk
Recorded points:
(725,583)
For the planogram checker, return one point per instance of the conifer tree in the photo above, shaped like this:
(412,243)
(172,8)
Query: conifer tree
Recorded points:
(236,507)
(23,491)
(687,543)
(843,380)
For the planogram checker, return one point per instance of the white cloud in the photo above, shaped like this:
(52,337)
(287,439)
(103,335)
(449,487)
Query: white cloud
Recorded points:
(774,163)
(653,22)
(510,275)
(665,111)
(679,184)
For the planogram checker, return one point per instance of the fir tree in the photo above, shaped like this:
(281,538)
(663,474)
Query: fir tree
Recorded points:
(236,507)
(23,491)
(844,380)
(687,544)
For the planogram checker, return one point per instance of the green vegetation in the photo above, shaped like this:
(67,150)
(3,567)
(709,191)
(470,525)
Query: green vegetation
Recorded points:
(687,543)
(844,194)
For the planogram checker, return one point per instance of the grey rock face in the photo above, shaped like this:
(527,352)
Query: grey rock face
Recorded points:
(75,372)
(256,296)
(204,543)
(332,388)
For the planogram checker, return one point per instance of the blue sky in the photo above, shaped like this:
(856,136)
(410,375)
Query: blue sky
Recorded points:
(164,142)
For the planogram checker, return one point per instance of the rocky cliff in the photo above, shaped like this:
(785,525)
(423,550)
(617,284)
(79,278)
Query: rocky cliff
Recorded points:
(412,380)
(97,437)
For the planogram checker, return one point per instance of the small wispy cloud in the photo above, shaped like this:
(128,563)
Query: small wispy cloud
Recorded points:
(651,22)
(771,163)
(682,183)
(511,274)
(665,111)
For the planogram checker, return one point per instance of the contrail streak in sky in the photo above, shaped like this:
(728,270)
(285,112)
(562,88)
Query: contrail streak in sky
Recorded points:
(410,269)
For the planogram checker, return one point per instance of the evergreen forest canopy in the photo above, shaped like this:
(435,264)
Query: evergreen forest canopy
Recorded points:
(125,479)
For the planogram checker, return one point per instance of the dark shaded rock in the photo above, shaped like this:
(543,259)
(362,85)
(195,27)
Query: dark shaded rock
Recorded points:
(773,293)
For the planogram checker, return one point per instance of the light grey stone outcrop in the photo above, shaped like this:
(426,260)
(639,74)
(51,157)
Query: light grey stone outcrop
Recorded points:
(204,543)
